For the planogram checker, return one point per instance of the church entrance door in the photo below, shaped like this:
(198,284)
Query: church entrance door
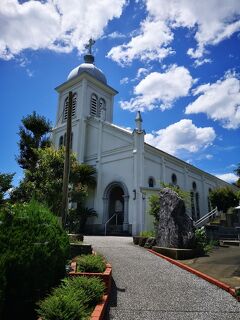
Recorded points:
(116,208)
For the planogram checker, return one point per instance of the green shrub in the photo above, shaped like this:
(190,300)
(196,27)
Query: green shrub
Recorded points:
(154,207)
(90,263)
(93,288)
(35,250)
(73,300)
(201,241)
(147,234)
(2,283)
(224,198)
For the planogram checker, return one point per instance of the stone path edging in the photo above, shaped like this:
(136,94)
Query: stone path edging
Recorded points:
(204,276)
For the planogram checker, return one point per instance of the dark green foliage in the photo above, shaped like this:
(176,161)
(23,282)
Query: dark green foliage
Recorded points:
(237,172)
(223,198)
(34,134)
(77,218)
(185,195)
(201,241)
(2,282)
(45,184)
(90,263)
(154,200)
(83,173)
(147,234)
(73,300)
(154,207)
(34,250)
(5,185)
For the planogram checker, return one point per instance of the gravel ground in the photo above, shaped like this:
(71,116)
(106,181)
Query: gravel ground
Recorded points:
(147,287)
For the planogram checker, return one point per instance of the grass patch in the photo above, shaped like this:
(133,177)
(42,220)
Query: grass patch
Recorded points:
(90,263)
(74,299)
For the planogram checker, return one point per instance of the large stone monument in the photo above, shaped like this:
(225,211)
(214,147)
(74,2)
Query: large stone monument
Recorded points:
(175,228)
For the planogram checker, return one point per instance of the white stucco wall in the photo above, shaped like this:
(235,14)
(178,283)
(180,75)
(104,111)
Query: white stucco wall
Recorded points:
(120,156)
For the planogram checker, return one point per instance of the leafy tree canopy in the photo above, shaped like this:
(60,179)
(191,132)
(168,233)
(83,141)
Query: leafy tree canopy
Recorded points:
(45,183)
(224,198)
(5,185)
(33,134)
(237,172)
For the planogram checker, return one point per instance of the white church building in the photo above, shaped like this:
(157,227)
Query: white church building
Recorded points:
(128,169)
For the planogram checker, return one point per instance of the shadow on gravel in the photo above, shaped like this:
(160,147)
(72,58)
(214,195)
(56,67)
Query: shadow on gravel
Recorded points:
(113,299)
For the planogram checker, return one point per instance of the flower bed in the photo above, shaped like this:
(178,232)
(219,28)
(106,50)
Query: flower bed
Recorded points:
(106,277)
(74,299)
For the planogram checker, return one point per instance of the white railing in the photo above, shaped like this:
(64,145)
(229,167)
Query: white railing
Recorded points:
(203,220)
(115,215)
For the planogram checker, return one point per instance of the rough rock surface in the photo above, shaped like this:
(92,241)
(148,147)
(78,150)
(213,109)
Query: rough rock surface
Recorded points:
(175,228)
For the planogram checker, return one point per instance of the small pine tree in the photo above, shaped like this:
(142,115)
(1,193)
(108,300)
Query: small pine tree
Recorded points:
(5,185)
(34,134)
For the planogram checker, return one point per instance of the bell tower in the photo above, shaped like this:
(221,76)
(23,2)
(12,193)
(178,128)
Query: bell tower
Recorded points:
(92,98)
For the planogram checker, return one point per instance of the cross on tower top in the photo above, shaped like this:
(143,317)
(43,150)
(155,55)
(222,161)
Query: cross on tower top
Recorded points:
(89,45)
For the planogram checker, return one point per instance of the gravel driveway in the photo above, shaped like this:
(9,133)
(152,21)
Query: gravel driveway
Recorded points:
(147,287)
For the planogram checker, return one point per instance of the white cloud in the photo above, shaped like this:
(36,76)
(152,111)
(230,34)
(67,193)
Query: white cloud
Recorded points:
(124,80)
(219,100)
(115,35)
(57,25)
(180,136)
(209,156)
(141,72)
(148,45)
(160,90)
(210,22)
(200,62)
(228,177)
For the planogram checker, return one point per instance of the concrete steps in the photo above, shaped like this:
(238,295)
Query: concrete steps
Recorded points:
(117,230)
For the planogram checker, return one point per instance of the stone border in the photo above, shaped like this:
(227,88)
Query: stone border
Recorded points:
(204,276)
(99,311)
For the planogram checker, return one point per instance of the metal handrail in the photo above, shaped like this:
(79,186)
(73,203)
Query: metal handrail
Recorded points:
(115,215)
(207,216)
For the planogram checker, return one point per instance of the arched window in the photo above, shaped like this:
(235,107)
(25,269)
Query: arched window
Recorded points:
(151,182)
(65,139)
(60,141)
(194,186)
(193,206)
(209,202)
(197,205)
(94,105)
(65,111)
(74,105)
(174,179)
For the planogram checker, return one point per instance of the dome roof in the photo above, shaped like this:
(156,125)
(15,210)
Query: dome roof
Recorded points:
(90,68)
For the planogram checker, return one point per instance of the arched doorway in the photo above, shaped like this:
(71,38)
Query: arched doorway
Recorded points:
(115,206)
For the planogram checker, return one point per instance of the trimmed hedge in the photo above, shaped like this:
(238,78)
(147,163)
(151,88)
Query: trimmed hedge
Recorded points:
(34,249)
(74,299)
(90,263)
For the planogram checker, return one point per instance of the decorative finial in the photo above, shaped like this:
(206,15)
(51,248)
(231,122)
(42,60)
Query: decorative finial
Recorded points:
(89,45)
(89,58)
(138,121)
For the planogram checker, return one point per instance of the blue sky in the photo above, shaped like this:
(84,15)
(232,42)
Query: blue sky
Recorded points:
(176,61)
